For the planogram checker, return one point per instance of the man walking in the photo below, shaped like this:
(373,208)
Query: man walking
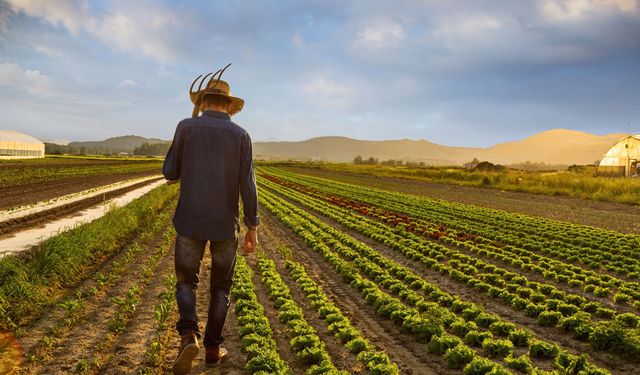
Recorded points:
(211,157)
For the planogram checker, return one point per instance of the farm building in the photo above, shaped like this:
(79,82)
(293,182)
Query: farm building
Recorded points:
(15,145)
(623,159)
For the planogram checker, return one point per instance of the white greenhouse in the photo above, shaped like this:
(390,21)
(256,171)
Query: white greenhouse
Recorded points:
(623,159)
(15,145)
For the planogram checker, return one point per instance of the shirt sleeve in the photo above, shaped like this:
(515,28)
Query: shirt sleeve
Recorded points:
(173,160)
(248,190)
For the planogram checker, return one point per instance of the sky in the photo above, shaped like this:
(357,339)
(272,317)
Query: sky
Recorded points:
(462,73)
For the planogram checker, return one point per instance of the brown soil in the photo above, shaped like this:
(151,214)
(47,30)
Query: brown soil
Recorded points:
(128,352)
(86,332)
(615,364)
(39,326)
(403,349)
(14,196)
(62,163)
(44,324)
(613,216)
(17,224)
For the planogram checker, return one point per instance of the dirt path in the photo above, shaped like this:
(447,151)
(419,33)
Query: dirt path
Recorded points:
(613,216)
(410,355)
(14,196)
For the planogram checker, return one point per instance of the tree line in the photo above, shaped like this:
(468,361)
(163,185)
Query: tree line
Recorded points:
(145,149)
(375,161)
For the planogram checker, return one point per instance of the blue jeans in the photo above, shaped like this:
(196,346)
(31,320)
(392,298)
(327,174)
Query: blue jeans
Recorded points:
(188,256)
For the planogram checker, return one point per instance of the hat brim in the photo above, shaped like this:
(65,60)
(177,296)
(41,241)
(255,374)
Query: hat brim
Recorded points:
(235,104)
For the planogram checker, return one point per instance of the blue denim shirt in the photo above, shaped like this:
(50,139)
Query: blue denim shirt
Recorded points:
(212,157)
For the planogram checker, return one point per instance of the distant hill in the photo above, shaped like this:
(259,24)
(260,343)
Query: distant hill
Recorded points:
(557,146)
(126,143)
(560,146)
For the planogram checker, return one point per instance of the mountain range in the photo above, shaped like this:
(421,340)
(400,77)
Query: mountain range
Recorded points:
(557,146)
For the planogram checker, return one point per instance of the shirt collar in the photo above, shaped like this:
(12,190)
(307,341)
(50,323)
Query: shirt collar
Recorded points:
(217,114)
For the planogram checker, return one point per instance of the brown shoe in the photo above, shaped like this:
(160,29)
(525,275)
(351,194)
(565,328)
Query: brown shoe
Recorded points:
(215,355)
(189,349)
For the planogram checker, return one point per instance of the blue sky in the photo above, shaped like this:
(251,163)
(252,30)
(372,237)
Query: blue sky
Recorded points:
(468,73)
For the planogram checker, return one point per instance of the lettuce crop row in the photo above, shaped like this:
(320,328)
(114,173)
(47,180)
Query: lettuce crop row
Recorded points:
(426,319)
(594,247)
(465,269)
(375,361)
(253,326)
(596,284)
(309,348)
(490,232)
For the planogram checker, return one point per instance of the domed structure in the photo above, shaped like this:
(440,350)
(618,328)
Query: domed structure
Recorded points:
(15,145)
(623,159)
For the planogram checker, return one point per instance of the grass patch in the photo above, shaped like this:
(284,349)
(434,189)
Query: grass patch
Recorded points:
(28,285)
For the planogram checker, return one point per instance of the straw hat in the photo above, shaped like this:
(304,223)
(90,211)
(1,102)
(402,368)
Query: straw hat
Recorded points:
(214,87)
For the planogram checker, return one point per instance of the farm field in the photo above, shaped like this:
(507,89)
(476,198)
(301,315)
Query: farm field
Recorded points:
(607,215)
(583,183)
(570,287)
(23,182)
(349,279)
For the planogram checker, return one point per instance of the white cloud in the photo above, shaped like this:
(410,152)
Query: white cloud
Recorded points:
(562,10)
(465,38)
(330,93)
(468,26)
(9,74)
(135,29)
(327,87)
(31,81)
(48,51)
(138,32)
(69,13)
(128,83)
(380,33)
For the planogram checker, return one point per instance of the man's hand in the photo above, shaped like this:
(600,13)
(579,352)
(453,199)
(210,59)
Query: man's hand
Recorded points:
(250,241)
(171,182)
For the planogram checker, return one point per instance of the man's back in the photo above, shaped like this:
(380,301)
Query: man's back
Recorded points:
(212,157)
